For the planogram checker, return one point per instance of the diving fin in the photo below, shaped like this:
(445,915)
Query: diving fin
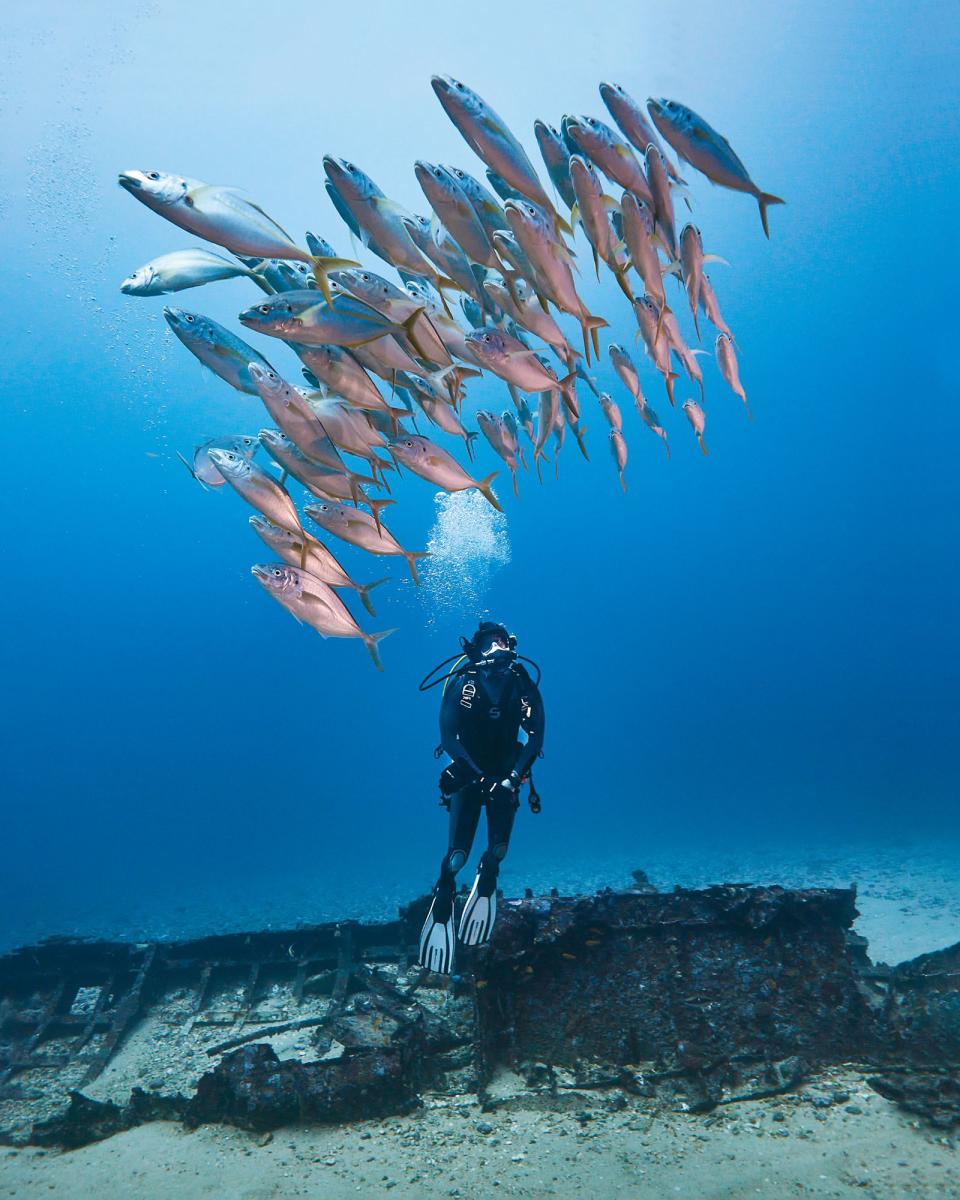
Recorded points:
(479,912)
(438,938)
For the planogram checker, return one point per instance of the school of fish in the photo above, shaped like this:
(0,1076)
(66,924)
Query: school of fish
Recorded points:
(372,355)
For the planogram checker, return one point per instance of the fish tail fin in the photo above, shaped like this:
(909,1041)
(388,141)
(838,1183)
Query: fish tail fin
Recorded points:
(516,486)
(322,265)
(364,590)
(370,640)
(764,199)
(590,324)
(411,556)
(381,465)
(669,379)
(408,327)
(485,489)
(468,442)
(703,444)
(715,258)
(578,433)
(624,283)
(191,470)
(623,482)
(376,506)
(261,283)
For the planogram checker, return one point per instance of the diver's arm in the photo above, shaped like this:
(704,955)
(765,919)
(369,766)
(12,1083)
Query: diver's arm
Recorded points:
(534,726)
(450,729)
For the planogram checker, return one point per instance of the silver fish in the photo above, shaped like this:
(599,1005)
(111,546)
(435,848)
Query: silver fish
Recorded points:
(626,369)
(380,221)
(455,212)
(217,348)
(493,429)
(592,210)
(632,121)
(398,306)
(611,410)
(321,480)
(524,307)
(488,136)
(652,422)
(649,316)
(510,359)
(638,232)
(221,215)
(702,147)
(692,259)
(556,157)
(711,307)
(431,462)
(202,468)
(303,317)
(618,447)
(181,270)
(662,198)
(698,420)
(294,416)
(258,488)
(609,152)
(488,208)
(338,370)
(314,603)
(531,227)
(358,528)
(295,548)
(729,368)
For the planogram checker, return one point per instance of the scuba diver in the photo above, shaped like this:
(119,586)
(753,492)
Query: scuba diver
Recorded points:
(488,699)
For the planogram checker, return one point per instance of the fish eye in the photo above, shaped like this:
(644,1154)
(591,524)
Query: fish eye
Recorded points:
(264,308)
(289,308)
(277,573)
(350,166)
(153,174)
(437,172)
(458,84)
(190,318)
(365,277)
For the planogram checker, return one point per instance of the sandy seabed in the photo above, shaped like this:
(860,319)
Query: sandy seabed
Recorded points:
(858,1145)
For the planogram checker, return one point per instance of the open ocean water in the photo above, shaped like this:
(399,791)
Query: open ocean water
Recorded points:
(745,654)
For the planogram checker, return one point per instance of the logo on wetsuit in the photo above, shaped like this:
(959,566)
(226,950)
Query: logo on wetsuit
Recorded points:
(467,695)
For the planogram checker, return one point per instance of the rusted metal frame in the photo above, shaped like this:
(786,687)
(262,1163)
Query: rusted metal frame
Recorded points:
(125,1012)
(200,997)
(20,1057)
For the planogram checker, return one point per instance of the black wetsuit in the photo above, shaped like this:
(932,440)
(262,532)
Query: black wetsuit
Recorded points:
(484,708)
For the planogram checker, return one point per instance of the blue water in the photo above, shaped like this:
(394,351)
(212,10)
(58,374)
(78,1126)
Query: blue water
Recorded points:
(762,644)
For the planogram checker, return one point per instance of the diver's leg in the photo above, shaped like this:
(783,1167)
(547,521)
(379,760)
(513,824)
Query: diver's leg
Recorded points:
(480,911)
(437,938)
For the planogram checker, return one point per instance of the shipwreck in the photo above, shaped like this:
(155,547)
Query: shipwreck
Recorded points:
(690,998)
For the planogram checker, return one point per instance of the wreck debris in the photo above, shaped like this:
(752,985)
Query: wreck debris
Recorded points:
(689,998)
(252,1088)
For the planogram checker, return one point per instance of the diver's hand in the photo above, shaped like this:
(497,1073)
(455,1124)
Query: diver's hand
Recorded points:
(457,775)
